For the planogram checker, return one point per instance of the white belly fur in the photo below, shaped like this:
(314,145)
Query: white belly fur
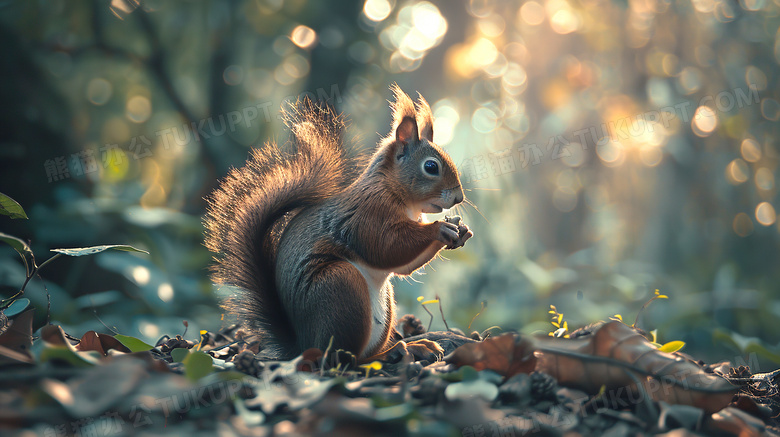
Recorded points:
(378,285)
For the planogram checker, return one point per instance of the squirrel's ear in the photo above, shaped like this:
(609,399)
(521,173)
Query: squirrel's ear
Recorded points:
(424,118)
(404,116)
(406,132)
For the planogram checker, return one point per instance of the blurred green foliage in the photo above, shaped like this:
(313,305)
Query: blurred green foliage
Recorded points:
(612,148)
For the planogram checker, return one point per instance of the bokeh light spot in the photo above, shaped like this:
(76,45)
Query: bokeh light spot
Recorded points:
(650,156)
(296,66)
(377,10)
(750,150)
(770,109)
(138,109)
(233,75)
(165,292)
(765,214)
(704,121)
(610,152)
(532,13)
(141,275)
(99,91)
(742,225)
(484,120)
(303,37)
(445,118)
(483,52)
(755,78)
(737,172)
(564,21)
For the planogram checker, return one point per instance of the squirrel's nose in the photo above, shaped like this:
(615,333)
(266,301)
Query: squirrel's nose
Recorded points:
(458,198)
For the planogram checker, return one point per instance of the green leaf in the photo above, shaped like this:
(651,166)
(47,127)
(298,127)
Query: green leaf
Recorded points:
(672,346)
(11,208)
(197,365)
(132,343)
(62,353)
(747,345)
(179,354)
(17,307)
(18,244)
(81,251)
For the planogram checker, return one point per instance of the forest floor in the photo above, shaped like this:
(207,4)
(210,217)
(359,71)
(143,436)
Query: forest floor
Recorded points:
(608,379)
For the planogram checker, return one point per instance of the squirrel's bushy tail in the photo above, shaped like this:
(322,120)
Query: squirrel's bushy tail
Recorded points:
(247,213)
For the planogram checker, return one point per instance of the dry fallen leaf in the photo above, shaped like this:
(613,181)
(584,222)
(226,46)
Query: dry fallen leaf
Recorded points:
(616,356)
(506,354)
(17,339)
(737,422)
(92,341)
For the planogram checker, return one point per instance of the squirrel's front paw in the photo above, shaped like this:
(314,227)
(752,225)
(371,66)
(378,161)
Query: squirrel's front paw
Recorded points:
(464,233)
(448,233)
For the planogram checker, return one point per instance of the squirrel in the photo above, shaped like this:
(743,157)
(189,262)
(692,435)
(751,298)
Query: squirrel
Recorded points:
(309,238)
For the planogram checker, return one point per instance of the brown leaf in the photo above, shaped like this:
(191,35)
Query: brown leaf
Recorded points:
(17,338)
(507,354)
(92,341)
(54,335)
(736,422)
(310,360)
(616,354)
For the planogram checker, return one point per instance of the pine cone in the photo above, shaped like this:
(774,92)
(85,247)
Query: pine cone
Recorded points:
(543,386)
(246,363)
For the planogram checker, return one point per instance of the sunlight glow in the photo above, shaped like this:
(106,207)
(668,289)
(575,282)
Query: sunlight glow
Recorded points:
(141,275)
(377,10)
(165,292)
(304,37)
(765,214)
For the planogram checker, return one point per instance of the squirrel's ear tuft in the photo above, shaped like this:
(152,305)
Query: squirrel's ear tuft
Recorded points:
(424,118)
(402,107)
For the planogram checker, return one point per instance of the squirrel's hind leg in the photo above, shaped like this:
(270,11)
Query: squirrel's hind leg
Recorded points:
(337,304)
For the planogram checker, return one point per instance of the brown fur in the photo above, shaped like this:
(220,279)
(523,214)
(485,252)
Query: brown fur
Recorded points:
(292,227)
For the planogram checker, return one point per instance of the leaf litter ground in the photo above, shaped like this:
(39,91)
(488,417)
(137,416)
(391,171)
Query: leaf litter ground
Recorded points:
(606,379)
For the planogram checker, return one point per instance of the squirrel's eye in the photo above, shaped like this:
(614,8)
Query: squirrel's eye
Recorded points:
(431,167)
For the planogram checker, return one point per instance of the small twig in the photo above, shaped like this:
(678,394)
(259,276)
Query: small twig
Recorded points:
(24,260)
(476,315)
(641,310)
(325,355)
(57,255)
(441,310)
(431,321)
(11,299)
(94,311)
(36,269)
(216,348)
